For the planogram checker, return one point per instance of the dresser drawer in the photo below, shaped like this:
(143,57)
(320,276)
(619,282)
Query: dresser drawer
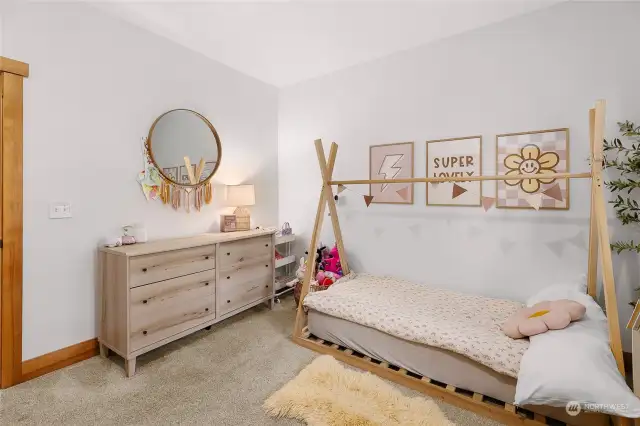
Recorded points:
(164,266)
(163,309)
(242,286)
(246,251)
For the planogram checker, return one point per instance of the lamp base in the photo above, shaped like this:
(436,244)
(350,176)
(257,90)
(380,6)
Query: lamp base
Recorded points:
(243,219)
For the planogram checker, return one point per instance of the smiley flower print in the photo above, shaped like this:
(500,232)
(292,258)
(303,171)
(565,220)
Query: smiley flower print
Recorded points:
(531,161)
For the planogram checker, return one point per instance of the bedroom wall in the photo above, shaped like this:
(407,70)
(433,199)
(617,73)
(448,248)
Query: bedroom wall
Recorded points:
(96,86)
(539,71)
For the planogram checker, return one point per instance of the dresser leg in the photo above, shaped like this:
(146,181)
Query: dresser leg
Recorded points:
(130,366)
(104,351)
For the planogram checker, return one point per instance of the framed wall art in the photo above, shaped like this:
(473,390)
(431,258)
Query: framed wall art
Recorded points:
(457,157)
(391,161)
(184,174)
(171,172)
(540,152)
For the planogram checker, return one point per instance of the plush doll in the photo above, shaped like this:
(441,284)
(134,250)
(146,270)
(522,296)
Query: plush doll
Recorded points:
(321,254)
(302,268)
(332,262)
(328,278)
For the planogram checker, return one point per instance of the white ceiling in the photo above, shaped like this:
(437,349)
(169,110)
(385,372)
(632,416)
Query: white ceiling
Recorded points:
(285,42)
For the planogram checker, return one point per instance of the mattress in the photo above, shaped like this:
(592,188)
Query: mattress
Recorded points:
(438,364)
(466,324)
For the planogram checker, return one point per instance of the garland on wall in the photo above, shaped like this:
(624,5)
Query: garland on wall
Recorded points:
(534,200)
(557,247)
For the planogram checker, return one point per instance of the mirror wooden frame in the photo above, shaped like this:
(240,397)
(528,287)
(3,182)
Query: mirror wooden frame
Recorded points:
(149,148)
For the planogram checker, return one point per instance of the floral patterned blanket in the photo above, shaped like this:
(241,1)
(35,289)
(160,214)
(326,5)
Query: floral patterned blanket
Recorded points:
(463,323)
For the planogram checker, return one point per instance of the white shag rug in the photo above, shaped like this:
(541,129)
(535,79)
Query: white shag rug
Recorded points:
(327,394)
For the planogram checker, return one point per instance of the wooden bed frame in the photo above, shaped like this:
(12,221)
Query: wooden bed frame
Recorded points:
(599,248)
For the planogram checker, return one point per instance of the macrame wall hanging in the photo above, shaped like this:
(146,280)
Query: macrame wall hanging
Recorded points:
(169,174)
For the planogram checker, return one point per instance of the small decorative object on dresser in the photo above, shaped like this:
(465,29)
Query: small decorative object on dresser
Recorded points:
(241,196)
(228,223)
(157,292)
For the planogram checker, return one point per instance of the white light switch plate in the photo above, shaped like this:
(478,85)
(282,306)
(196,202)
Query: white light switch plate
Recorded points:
(59,211)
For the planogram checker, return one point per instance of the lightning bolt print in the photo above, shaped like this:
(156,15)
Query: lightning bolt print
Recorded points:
(388,168)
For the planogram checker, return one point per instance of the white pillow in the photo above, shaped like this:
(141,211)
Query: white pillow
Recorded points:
(574,364)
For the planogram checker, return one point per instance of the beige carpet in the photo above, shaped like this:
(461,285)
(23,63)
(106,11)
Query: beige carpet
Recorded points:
(326,393)
(217,377)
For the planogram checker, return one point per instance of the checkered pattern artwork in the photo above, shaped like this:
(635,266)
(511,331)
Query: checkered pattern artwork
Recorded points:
(529,153)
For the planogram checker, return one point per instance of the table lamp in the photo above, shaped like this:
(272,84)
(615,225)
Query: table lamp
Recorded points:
(241,196)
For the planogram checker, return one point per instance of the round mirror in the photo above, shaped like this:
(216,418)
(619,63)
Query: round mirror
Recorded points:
(180,134)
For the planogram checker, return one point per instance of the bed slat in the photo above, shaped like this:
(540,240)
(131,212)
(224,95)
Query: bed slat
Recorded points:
(510,408)
(426,379)
(451,388)
(478,397)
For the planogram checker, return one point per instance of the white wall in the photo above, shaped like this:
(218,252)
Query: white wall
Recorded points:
(538,71)
(96,86)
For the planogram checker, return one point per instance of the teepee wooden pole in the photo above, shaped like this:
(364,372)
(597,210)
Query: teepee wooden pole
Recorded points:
(592,270)
(313,243)
(608,282)
(328,195)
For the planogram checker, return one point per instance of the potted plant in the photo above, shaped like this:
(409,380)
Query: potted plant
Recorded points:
(626,159)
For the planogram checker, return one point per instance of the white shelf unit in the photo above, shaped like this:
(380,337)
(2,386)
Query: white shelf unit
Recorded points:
(285,267)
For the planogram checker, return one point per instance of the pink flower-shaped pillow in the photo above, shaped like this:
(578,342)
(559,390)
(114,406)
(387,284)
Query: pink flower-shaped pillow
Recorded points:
(543,316)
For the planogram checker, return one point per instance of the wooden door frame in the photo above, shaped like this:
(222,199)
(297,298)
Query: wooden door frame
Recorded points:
(12,74)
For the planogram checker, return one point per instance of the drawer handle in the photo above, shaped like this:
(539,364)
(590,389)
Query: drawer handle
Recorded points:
(266,245)
(266,266)
(206,257)
(228,301)
(228,254)
(228,277)
(144,332)
(144,301)
(206,309)
(207,283)
(266,286)
(144,269)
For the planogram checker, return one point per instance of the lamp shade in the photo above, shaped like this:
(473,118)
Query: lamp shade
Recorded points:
(241,195)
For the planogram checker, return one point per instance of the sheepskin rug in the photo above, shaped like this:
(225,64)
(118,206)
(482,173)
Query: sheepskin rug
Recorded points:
(327,394)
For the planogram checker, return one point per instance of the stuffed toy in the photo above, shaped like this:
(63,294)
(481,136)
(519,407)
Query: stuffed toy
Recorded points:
(543,316)
(321,254)
(332,262)
(326,278)
(302,268)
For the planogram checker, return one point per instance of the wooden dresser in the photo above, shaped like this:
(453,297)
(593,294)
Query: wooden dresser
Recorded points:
(156,292)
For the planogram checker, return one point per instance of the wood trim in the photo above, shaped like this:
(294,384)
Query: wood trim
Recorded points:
(14,67)
(61,358)
(11,274)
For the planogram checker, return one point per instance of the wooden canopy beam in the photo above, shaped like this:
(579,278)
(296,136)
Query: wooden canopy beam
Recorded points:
(600,210)
(301,317)
(585,175)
